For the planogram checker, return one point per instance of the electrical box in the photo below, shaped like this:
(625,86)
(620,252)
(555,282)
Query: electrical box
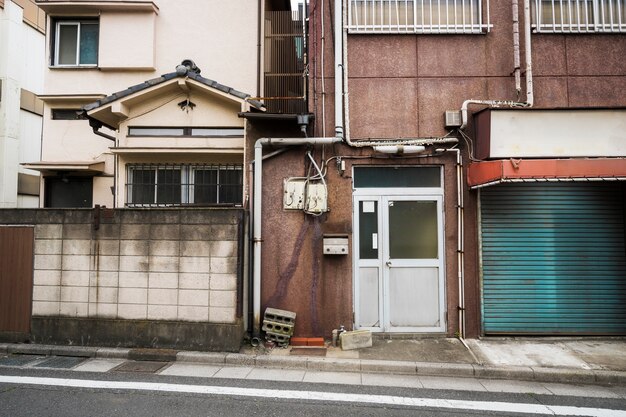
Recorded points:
(293,197)
(335,244)
(316,197)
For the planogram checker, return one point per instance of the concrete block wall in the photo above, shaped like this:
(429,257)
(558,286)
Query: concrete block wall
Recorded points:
(156,265)
(173,265)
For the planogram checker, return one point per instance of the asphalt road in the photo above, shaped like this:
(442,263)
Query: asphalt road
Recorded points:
(49,392)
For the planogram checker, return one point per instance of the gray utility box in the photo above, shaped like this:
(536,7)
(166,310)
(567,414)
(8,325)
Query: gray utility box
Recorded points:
(336,245)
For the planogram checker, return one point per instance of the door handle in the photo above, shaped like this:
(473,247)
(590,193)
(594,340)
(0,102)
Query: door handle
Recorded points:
(388,263)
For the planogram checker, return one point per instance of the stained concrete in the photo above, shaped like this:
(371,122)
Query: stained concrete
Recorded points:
(420,350)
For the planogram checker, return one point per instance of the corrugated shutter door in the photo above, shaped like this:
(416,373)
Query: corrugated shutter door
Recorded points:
(553,258)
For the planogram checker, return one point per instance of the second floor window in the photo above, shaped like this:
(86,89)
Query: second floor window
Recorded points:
(579,16)
(417,16)
(76,43)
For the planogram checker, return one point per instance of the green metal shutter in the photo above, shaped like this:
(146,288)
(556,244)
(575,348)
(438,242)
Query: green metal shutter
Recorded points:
(553,258)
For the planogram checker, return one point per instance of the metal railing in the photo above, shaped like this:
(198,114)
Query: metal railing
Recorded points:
(419,16)
(579,16)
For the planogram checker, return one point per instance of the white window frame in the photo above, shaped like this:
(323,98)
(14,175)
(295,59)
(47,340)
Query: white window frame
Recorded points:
(57,41)
(375,10)
(601,16)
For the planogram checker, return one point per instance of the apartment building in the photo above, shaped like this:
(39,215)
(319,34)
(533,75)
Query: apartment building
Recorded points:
(22,40)
(477,185)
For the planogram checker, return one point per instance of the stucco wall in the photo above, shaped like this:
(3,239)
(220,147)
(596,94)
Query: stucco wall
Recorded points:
(164,266)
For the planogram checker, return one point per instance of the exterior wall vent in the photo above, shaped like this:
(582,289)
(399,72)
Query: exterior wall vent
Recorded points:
(453,118)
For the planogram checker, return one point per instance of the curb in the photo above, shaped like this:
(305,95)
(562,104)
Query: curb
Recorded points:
(521,373)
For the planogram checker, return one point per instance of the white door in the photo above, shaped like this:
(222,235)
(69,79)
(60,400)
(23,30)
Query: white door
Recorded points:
(399,268)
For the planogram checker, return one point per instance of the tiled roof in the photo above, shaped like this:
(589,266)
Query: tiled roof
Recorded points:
(169,76)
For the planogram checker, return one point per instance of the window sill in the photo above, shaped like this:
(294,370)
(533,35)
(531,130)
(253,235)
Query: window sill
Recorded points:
(73,67)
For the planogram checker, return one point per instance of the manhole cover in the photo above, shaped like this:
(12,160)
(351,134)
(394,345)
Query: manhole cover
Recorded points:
(18,360)
(60,362)
(308,351)
(140,366)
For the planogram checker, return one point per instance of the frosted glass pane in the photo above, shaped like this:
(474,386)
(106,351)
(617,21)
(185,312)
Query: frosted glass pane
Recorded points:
(89,43)
(368,229)
(68,35)
(413,230)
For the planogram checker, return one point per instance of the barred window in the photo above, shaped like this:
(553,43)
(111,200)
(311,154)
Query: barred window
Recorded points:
(161,185)
(417,16)
(579,16)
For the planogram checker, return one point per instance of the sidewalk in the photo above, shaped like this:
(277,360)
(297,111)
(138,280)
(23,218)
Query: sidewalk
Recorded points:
(578,361)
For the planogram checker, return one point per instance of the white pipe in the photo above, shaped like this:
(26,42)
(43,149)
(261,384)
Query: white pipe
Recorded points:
(323,46)
(339,61)
(516,48)
(529,75)
(460,250)
(530,98)
(257,212)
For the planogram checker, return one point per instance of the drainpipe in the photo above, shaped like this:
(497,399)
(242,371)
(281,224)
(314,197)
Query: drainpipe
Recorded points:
(529,72)
(339,70)
(257,213)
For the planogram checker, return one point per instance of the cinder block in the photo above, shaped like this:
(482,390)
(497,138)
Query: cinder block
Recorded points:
(165,232)
(106,263)
(222,299)
(76,247)
(223,248)
(134,247)
(192,313)
(163,263)
(108,231)
(163,296)
(132,311)
(193,298)
(107,247)
(74,294)
(75,278)
(355,339)
(164,247)
(45,308)
(134,231)
(48,246)
(103,295)
(277,328)
(224,282)
(221,315)
(163,280)
(133,279)
(223,265)
(46,293)
(134,263)
(46,277)
(191,281)
(162,312)
(224,232)
(76,262)
(77,231)
(194,264)
(103,279)
(74,309)
(50,262)
(195,232)
(133,295)
(48,231)
(103,310)
(282,316)
(195,248)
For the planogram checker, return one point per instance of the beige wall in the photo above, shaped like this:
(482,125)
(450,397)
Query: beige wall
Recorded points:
(127,41)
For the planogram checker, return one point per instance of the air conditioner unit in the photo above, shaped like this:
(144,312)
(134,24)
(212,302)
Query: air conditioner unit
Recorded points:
(453,118)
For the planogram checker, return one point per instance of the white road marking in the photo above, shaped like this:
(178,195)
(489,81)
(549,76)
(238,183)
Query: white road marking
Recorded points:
(503,407)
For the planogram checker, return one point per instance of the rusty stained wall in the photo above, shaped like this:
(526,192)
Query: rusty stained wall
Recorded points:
(400,86)
(296,276)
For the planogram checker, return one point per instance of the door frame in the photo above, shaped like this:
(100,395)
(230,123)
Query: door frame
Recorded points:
(383,196)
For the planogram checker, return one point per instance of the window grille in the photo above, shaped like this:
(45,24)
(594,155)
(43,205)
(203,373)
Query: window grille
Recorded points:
(579,16)
(163,185)
(418,16)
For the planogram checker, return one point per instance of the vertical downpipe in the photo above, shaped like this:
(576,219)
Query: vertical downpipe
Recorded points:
(339,69)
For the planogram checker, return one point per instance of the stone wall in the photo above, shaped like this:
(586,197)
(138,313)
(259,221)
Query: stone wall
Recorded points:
(165,271)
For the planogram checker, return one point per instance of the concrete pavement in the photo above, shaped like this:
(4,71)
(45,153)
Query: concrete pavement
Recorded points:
(578,361)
